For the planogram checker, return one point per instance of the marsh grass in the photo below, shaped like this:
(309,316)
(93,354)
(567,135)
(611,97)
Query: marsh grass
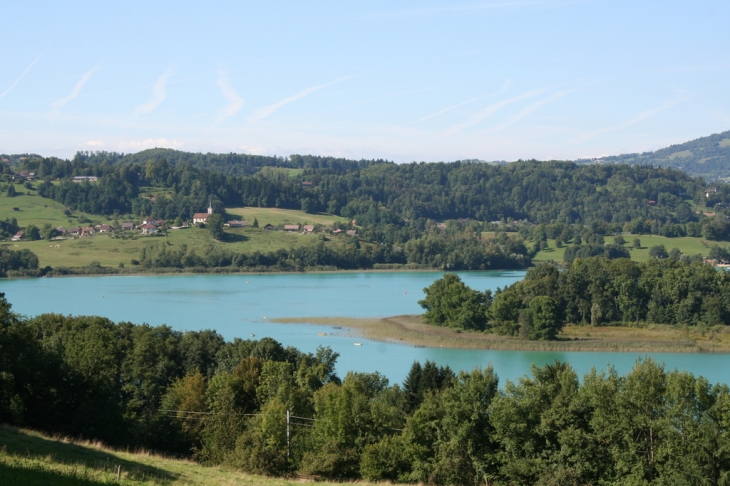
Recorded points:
(410,329)
(30,458)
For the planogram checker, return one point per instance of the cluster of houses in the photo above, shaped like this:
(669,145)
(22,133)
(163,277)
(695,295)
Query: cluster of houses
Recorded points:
(24,175)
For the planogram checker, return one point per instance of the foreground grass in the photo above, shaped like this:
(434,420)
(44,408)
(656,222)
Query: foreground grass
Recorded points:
(687,245)
(410,329)
(29,458)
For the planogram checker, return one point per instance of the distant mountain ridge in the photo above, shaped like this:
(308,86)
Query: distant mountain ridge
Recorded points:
(708,157)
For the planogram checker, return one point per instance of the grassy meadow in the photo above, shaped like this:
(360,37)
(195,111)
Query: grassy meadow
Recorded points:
(29,458)
(687,245)
(411,329)
(278,216)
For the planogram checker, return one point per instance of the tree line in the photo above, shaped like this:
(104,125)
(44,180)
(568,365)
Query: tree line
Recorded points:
(351,254)
(226,402)
(598,291)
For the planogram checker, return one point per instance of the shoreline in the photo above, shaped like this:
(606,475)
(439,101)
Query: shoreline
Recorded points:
(410,330)
(182,272)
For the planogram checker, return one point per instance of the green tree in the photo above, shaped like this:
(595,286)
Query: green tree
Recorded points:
(255,223)
(449,302)
(545,318)
(215,226)
(10,192)
(32,232)
(637,243)
(658,252)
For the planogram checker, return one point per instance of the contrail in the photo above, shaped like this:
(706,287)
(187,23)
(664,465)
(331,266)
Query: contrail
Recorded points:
(19,78)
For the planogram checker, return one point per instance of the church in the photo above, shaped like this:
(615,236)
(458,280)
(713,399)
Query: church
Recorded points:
(203,217)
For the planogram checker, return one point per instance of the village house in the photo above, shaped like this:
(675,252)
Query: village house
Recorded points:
(104,228)
(441,226)
(18,236)
(62,230)
(291,227)
(337,231)
(308,228)
(85,179)
(127,226)
(203,217)
(237,224)
(351,232)
(149,229)
(87,231)
(74,231)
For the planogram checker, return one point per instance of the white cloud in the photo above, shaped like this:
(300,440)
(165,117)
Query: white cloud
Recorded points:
(268,110)
(235,101)
(57,105)
(253,150)
(19,78)
(159,93)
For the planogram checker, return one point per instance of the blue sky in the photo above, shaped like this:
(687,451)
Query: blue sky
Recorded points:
(493,80)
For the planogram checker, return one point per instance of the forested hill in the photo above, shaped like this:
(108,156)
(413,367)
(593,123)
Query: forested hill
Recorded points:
(708,157)
(229,164)
(387,193)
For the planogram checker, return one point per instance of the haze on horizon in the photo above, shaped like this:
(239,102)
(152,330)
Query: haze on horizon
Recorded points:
(494,80)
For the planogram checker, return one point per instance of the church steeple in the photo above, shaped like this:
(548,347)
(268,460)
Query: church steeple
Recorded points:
(210,207)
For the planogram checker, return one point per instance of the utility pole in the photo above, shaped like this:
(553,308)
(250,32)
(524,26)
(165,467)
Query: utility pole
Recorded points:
(287,434)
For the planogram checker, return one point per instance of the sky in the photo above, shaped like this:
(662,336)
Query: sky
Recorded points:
(405,81)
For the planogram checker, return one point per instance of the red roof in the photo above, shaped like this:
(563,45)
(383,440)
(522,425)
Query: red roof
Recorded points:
(201,216)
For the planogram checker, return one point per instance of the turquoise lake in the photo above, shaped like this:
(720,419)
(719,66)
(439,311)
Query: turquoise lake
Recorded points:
(241,305)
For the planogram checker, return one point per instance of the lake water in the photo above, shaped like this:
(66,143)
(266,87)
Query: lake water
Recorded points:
(241,305)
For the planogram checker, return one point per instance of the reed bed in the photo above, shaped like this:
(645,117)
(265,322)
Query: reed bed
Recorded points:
(411,330)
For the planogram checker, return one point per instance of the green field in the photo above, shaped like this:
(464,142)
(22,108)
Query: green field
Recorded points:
(278,216)
(29,458)
(111,251)
(687,245)
(39,211)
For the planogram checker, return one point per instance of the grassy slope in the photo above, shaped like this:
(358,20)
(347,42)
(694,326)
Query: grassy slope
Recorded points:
(687,245)
(111,251)
(28,458)
(39,211)
(277,216)
(652,338)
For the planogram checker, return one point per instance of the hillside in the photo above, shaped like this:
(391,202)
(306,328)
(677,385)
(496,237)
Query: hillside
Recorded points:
(708,157)
(30,458)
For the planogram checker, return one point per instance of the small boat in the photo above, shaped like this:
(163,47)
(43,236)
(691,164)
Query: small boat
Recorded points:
(264,317)
(337,327)
(419,346)
(253,335)
(358,344)
(321,334)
